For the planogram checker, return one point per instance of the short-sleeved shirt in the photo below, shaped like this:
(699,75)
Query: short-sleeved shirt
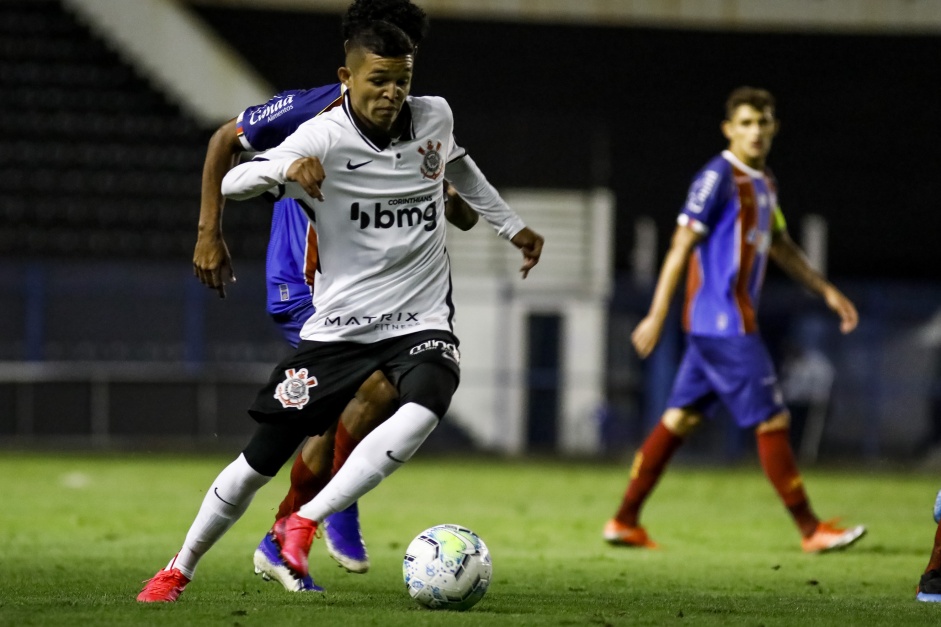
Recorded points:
(292,248)
(735,208)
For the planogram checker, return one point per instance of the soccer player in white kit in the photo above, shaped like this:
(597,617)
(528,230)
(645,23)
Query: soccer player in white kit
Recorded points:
(383,297)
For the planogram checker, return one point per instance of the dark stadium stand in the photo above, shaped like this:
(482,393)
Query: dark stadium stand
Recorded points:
(94,162)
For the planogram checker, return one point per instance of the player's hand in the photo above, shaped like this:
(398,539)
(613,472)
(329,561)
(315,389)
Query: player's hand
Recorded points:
(843,307)
(530,243)
(646,335)
(212,264)
(308,173)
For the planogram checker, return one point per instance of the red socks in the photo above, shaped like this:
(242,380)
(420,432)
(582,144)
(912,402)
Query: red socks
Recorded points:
(777,459)
(649,463)
(342,447)
(304,486)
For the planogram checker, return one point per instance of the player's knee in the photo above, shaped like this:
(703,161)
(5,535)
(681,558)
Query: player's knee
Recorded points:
(374,402)
(376,390)
(270,447)
(681,422)
(429,385)
(775,423)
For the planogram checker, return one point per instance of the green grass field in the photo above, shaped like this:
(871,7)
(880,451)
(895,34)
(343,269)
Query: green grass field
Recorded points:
(78,535)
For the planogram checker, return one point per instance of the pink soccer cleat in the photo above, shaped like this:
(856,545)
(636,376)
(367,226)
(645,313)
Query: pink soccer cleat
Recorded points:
(165,587)
(294,535)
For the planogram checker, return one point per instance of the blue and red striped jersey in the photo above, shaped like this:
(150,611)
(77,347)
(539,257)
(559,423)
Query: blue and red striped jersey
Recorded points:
(292,249)
(735,208)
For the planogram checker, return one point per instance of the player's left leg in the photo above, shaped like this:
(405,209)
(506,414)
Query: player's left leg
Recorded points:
(426,391)
(743,375)
(929,586)
(780,466)
(226,500)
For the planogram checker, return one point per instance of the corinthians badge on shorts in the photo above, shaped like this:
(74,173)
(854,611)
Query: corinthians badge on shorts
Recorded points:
(431,165)
(292,392)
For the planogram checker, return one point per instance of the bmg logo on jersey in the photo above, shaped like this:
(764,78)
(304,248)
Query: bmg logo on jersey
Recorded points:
(397,216)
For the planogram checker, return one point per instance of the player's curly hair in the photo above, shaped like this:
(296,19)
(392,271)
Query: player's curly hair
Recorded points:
(755,97)
(402,13)
(381,38)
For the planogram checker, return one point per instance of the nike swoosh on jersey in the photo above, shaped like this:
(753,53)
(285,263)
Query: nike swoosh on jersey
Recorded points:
(351,166)
(397,461)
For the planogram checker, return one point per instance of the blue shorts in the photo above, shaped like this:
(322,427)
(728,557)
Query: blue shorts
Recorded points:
(292,321)
(736,371)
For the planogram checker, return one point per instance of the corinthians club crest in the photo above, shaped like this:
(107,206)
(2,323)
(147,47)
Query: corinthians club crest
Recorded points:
(293,391)
(431,165)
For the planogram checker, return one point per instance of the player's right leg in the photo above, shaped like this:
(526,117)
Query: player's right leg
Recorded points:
(226,500)
(373,404)
(649,464)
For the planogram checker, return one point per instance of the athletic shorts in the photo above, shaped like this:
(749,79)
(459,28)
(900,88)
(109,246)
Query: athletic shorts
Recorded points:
(292,321)
(736,371)
(314,384)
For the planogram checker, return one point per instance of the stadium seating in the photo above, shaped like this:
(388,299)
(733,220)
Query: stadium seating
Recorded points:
(95,162)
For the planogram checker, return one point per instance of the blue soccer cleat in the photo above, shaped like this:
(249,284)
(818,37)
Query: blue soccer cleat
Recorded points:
(271,566)
(937,507)
(345,540)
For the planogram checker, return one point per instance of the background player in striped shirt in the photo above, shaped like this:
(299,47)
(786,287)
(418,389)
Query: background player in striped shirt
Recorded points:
(383,292)
(291,264)
(729,228)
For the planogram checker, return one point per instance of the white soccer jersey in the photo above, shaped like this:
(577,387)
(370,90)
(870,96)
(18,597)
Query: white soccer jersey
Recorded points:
(383,267)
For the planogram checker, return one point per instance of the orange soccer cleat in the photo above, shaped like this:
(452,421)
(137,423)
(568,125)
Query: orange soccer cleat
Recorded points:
(619,534)
(828,537)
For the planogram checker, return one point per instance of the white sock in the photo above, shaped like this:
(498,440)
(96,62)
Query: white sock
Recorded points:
(380,454)
(227,499)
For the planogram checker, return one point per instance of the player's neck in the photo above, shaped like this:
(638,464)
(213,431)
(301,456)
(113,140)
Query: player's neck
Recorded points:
(756,163)
(376,135)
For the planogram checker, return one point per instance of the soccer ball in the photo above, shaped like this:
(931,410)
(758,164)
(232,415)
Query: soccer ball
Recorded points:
(447,567)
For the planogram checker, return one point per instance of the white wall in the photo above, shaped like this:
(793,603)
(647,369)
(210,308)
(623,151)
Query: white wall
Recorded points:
(573,280)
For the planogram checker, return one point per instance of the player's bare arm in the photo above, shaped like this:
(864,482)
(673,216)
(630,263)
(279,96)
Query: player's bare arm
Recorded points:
(790,258)
(457,211)
(530,244)
(308,173)
(647,333)
(212,264)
